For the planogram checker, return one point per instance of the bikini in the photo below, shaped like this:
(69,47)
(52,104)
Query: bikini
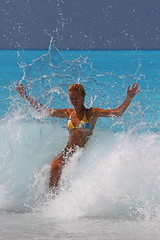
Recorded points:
(84,124)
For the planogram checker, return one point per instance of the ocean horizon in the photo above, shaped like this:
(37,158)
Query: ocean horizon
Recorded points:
(112,192)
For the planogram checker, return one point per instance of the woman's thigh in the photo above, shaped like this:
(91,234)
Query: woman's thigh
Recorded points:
(56,169)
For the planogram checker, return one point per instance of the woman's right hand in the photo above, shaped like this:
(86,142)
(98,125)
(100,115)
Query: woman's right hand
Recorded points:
(21,90)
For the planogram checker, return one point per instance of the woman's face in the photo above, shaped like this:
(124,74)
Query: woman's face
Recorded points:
(76,98)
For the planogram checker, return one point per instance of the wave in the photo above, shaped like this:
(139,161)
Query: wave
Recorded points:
(116,175)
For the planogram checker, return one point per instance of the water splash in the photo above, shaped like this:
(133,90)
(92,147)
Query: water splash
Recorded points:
(118,174)
(48,77)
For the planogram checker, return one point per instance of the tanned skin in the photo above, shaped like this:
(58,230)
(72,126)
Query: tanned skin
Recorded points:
(77,136)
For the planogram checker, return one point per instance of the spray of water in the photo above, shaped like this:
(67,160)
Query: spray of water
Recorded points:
(115,176)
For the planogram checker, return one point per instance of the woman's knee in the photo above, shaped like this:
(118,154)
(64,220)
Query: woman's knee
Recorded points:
(57,163)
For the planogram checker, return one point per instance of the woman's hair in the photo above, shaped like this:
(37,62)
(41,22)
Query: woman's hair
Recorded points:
(77,87)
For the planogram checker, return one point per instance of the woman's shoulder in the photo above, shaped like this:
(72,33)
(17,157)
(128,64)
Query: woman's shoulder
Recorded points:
(93,112)
(90,112)
(70,110)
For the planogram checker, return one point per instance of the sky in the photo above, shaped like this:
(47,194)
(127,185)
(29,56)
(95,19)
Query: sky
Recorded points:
(80,24)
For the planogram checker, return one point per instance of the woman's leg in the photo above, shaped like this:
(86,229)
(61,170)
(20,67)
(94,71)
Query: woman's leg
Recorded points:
(56,169)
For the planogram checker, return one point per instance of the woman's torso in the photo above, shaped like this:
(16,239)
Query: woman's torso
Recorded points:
(78,136)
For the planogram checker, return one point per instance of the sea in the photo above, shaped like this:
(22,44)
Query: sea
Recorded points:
(110,190)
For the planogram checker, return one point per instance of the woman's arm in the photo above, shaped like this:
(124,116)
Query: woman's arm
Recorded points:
(62,113)
(122,108)
(22,91)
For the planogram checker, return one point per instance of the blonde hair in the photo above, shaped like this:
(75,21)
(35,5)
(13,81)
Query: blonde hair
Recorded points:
(77,87)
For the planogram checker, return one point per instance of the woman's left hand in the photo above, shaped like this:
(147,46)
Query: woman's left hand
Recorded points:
(133,91)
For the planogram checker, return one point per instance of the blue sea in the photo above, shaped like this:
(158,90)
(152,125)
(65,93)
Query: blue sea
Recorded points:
(113,191)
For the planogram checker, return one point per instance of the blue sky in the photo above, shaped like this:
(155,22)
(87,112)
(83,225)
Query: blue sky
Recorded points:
(80,24)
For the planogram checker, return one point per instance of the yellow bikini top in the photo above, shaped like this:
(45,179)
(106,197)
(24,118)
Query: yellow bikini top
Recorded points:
(83,123)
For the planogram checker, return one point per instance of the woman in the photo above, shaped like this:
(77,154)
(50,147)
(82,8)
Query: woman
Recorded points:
(81,121)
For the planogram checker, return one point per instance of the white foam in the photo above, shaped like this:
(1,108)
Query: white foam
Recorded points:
(116,175)
(120,180)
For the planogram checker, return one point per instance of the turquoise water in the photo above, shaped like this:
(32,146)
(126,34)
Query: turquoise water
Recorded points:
(113,70)
(113,191)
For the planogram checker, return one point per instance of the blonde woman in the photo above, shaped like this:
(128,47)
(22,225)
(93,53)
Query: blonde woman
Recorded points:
(80,121)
